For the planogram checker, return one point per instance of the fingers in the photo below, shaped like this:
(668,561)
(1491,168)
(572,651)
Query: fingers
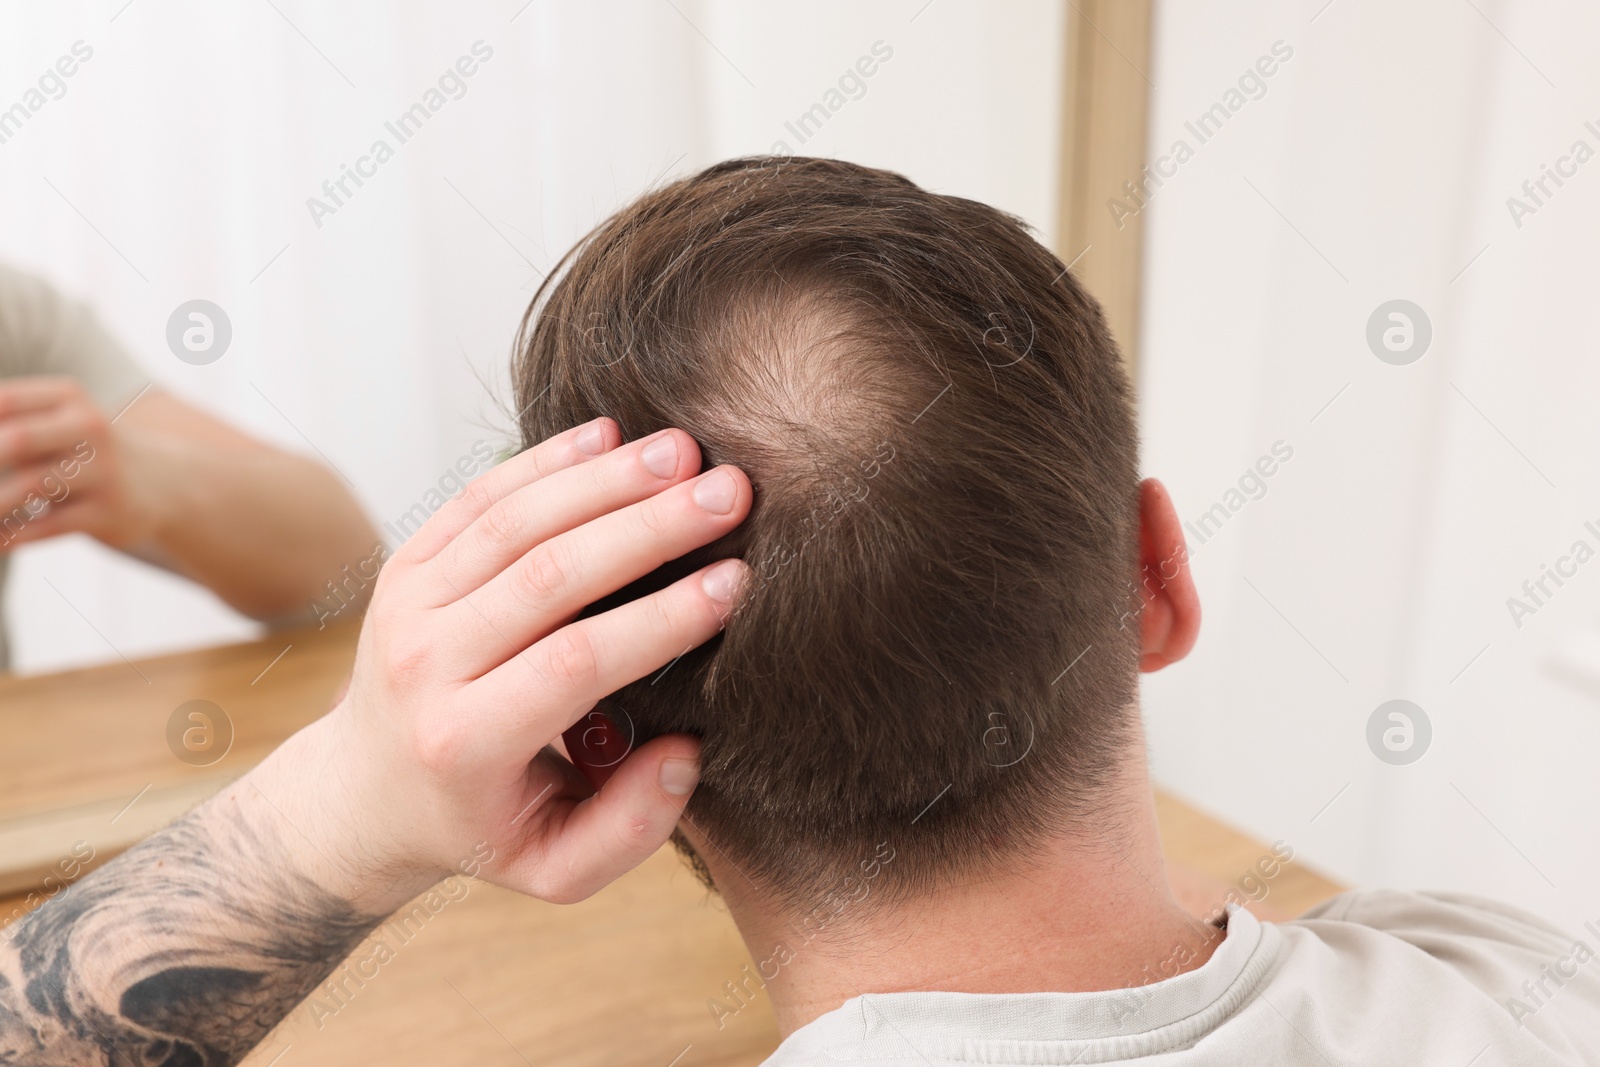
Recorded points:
(53,482)
(18,485)
(568,498)
(53,521)
(548,779)
(42,435)
(577,445)
(598,840)
(551,685)
(555,580)
(20,395)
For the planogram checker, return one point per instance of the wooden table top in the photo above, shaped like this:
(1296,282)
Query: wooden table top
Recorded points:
(629,976)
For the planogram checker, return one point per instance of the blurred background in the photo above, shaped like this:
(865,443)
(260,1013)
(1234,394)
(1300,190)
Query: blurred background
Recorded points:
(1250,188)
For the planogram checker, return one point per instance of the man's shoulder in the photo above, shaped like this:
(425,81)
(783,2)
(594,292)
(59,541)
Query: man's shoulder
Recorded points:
(26,301)
(44,331)
(1490,944)
(1420,916)
(1455,955)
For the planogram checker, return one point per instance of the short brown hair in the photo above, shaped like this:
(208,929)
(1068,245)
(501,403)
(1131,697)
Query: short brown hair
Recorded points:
(931,651)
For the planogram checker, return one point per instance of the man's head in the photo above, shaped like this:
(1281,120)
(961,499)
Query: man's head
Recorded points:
(934,647)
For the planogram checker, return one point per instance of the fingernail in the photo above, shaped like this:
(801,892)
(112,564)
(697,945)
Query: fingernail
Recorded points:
(679,776)
(716,492)
(591,439)
(722,582)
(661,456)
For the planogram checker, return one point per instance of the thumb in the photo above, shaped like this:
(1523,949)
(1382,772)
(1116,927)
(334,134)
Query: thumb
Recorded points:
(603,837)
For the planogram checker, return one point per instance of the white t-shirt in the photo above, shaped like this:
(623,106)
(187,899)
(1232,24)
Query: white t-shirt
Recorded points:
(1371,977)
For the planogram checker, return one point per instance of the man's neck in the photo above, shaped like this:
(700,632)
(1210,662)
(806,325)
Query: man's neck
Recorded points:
(1076,917)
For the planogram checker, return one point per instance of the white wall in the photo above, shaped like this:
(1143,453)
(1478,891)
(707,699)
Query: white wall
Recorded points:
(194,136)
(1379,563)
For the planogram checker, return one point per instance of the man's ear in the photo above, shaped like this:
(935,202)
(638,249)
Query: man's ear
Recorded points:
(1169,614)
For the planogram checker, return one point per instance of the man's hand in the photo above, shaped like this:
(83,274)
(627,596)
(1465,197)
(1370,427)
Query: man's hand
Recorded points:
(273,534)
(59,465)
(192,945)
(471,665)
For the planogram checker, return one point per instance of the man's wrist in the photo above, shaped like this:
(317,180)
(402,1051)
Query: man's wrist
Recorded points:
(149,495)
(334,825)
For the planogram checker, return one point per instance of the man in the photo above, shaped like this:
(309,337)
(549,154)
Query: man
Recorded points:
(89,445)
(922,787)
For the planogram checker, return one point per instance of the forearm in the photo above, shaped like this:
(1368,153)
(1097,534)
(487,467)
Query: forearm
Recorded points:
(202,937)
(272,533)
(266,530)
(122,967)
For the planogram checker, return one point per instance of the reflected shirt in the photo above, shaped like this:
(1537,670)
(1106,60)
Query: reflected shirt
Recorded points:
(42,332)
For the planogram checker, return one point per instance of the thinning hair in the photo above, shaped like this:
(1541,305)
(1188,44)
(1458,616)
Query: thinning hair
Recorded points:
(931,653)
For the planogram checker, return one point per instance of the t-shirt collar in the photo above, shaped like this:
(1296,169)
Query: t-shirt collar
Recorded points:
(978,1025)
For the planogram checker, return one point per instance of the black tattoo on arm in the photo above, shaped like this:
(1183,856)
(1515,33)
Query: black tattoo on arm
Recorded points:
(185,951)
